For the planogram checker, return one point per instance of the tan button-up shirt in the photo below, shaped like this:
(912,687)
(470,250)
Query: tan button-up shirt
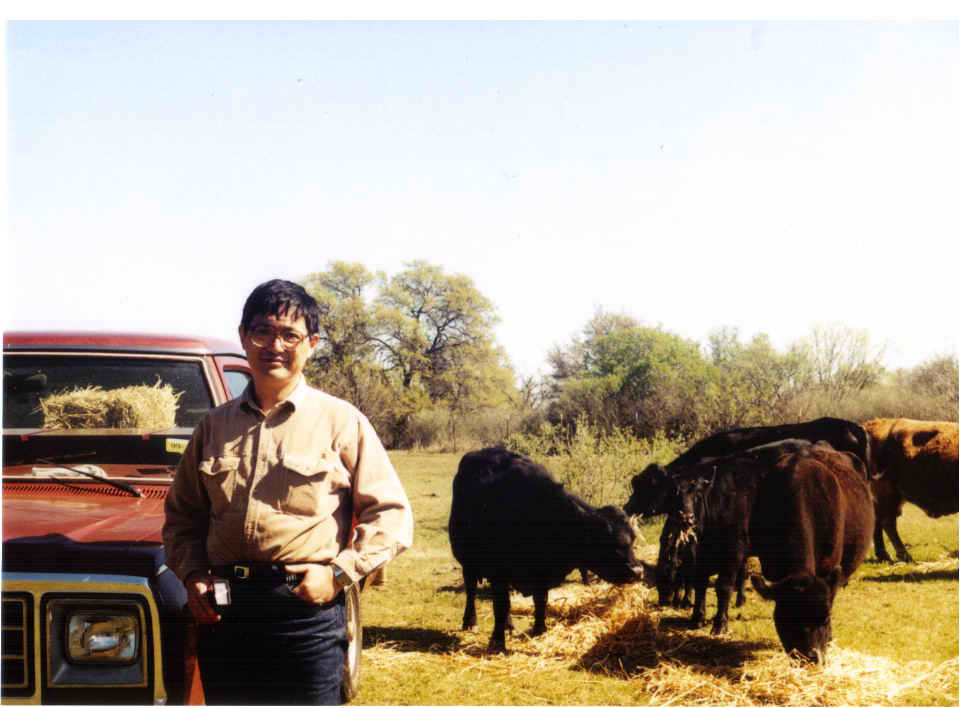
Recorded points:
(284,488)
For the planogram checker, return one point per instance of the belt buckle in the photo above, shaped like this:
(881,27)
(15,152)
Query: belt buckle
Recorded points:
(241,571)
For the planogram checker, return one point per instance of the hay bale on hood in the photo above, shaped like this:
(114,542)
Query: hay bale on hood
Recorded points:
(146,407)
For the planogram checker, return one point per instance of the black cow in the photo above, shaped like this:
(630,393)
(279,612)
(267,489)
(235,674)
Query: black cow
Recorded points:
(811,528)
(512,523)
(843,436)
(708,532)
(650,493)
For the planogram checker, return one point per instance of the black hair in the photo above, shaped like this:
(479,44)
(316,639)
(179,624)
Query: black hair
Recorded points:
(280,297)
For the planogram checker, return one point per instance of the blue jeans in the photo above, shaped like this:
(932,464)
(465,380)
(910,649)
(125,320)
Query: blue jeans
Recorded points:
(272,648)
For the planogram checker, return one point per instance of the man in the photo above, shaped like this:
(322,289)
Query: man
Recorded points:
(263,498)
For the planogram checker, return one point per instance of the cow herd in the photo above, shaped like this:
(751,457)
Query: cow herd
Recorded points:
(806,500)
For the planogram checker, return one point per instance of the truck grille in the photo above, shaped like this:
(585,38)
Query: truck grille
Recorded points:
(17,643)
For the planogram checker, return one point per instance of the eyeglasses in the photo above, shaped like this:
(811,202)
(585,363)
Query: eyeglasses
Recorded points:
(263,336)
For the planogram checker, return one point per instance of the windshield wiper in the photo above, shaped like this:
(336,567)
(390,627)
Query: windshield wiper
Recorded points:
(106,480)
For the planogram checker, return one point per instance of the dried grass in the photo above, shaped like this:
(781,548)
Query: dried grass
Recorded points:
(615,631)
(687,536)
(144,407)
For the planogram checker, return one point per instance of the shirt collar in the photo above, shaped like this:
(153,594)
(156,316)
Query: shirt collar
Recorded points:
(296,396)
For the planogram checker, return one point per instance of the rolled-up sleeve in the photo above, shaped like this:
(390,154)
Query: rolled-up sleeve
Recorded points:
(384,519)
(187,514)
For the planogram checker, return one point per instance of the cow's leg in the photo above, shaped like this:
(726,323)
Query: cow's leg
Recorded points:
(470,612)
(724,588)
(684,589)
(501,615)
(878,546)
(741,582)
(888,507)
(891,528)
(539,611)
(699,615)
(675,594)
(683,582)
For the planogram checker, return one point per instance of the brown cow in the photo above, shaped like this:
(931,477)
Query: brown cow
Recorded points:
(810,527)
(917,462)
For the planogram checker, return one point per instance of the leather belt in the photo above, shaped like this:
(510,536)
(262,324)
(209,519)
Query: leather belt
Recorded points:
(253,571)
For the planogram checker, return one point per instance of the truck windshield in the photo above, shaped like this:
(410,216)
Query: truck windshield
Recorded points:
(29,378)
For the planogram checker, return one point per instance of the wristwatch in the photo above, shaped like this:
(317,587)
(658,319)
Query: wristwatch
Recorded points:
(341,580)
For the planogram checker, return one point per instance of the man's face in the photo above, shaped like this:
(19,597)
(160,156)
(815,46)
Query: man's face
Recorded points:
(268,344)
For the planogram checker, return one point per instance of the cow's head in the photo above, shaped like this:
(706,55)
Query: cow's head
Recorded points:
(650,492)
(802,610)
(611,547)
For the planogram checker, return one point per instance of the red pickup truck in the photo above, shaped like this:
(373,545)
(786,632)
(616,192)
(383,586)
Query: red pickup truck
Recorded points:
(90,612)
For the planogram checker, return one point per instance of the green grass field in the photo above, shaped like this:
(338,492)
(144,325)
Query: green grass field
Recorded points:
(895,631)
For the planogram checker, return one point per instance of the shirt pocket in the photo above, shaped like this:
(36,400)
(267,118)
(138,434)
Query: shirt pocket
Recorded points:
(219,477)
(312,485)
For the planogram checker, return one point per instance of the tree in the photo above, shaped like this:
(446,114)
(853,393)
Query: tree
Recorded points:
(425,338)
(429,323)
(344,363)
(628,375)
(753,384)
(346,322)
(573,392)
(839,360)
(470,384)
(662,378)
(938,377)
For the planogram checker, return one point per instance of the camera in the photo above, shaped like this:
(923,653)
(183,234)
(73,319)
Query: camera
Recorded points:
(219,593)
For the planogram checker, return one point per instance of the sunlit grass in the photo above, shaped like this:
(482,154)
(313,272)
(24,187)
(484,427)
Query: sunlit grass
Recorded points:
(895,632)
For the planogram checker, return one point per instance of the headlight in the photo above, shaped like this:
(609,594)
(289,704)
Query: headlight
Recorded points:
(103,637)
(96,641)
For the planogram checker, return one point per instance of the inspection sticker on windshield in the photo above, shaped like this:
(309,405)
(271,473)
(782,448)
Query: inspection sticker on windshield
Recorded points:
(176,445)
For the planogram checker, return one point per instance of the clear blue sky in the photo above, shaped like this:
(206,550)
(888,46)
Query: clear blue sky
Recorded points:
(764,175)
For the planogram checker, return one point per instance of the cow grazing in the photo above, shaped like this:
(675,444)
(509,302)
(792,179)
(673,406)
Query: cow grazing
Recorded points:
(810,527)
(708,533)
(914,461)
(650,495)
(512,523)
(653,494)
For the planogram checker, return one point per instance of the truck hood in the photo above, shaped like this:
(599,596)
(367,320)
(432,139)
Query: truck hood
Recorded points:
(83,514)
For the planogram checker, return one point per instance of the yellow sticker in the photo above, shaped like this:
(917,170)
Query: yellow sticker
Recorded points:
(176,445)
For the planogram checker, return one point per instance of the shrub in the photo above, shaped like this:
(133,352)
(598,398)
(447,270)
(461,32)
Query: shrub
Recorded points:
(888,400)
(594,464)
(440,430)
(427,427)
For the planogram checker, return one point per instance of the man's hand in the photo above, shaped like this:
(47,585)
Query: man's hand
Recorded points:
(317,585)
(197,584)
